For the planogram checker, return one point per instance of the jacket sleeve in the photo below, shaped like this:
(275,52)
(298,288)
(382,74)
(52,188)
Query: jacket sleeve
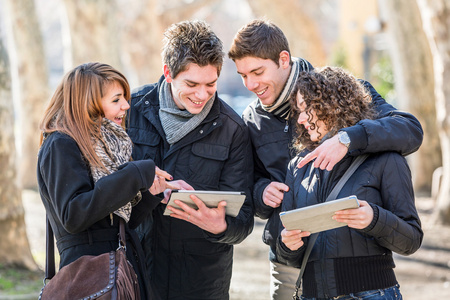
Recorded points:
(261,182)
(262,176)
(143,209)
(77,202)
(396,224)
(394,130)
(236,176)
(284,254)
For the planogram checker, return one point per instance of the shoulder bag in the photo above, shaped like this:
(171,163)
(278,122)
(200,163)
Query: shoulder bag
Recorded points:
(106,276)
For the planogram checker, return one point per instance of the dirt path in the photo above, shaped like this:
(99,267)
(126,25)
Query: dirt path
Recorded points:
(423,275)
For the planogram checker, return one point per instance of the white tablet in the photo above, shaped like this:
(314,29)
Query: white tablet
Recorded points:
(316,218)
(210,198)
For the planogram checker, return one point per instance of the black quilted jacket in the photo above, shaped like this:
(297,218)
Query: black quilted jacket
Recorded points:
(346,260)
(187,262)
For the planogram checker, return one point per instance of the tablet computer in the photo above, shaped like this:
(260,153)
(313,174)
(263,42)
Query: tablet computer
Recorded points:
(316,218)
(210,198)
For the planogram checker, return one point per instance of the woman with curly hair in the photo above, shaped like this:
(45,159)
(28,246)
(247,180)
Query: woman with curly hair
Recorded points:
(354,261)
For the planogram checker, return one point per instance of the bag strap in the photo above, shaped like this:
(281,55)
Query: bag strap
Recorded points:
(50,252)
(122,237)
(334,193)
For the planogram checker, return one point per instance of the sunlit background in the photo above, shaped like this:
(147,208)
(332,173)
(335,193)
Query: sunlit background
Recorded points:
(383,41)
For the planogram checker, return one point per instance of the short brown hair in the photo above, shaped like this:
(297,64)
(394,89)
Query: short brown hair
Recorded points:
(259,38)
(75,108)
(337,98)
(191,42)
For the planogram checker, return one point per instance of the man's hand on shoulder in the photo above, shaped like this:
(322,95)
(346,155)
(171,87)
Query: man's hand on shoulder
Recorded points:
(273,194)
(327,155)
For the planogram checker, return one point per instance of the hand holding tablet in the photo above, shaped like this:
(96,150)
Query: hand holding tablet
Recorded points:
(210,198)
(316,218)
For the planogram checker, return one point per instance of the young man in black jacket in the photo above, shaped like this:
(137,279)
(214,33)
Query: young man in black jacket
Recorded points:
(261,53)
(188,131)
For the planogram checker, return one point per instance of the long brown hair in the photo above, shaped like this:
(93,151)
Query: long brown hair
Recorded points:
(75,108)
(337,98)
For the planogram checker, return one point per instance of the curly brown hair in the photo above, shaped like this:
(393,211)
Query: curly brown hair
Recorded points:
(337,98)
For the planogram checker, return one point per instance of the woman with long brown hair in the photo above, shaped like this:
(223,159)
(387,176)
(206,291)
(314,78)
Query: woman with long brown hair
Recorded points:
(86,178)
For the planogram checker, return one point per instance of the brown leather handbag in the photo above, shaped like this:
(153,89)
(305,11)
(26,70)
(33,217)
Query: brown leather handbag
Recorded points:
(106,276)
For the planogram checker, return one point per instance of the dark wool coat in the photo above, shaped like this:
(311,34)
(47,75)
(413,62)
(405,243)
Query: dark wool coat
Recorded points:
(346,260)
(188,262)
(79,211)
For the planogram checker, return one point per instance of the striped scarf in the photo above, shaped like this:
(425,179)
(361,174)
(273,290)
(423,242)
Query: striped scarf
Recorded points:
(281,108)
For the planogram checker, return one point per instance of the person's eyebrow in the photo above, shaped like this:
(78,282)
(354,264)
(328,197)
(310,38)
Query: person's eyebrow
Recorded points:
(193,82)
(252,71)
(116,95)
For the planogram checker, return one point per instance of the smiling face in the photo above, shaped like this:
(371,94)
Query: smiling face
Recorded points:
(263,77)
(316,128)
(194,87)
(114,103)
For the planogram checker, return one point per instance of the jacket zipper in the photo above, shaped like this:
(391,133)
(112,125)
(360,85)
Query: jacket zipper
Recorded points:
(286,127)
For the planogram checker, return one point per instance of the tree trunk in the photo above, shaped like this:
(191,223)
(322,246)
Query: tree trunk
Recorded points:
(33,84)
(94,32)
(14,246)
(143,35)
(142,44)
(304,40)
(436,19)
(413,71)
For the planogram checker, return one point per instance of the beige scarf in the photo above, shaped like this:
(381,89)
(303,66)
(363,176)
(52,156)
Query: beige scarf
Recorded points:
(114,149)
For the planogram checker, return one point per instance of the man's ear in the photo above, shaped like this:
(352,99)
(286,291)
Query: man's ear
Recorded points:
(167,74)
(285,58)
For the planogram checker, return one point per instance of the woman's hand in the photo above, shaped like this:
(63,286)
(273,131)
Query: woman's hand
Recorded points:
(293,238)
(358,218)
(159,183)
(175,185)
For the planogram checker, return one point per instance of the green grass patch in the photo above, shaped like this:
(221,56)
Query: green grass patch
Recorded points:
(17,281)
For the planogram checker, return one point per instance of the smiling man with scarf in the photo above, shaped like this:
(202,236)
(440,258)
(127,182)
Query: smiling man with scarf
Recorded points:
(261,53)
(188,131)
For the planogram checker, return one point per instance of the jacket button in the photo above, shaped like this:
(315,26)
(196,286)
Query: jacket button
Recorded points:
(201,131)
(146,102)
(215,123)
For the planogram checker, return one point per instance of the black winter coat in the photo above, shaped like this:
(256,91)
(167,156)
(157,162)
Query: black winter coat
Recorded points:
(79,211)
(346,260)
(272,137)
(187,262)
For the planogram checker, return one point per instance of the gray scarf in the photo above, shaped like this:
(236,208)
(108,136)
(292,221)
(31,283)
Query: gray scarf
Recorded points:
(281,106)
(178,123)
(114,149)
